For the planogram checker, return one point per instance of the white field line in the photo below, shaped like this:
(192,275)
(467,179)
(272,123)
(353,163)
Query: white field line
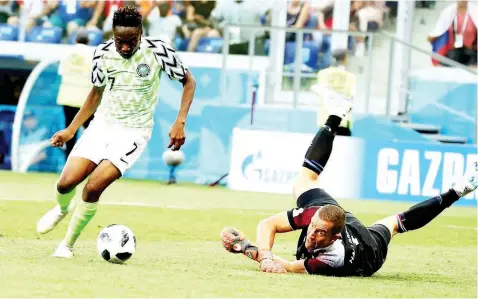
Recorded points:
(154,205)
(462,227)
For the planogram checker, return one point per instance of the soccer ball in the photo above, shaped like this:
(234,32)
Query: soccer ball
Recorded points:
(116,243)
(173,158)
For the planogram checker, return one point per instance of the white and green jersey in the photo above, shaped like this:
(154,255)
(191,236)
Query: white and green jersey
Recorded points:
(131,85)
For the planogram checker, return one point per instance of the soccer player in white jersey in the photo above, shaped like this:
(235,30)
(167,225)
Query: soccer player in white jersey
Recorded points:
(126,73)
(334,242)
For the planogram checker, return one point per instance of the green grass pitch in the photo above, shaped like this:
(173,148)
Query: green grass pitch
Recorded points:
(179,253)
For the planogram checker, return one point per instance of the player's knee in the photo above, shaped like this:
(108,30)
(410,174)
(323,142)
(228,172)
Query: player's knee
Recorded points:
(65,185)
(92,191)
(391,223)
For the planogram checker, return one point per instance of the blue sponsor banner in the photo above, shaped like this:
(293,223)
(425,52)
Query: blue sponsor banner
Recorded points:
(415,171)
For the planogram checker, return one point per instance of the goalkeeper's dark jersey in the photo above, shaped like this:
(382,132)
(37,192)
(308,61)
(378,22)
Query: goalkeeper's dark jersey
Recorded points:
(354,254)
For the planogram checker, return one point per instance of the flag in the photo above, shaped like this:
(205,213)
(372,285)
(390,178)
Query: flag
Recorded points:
(441,45)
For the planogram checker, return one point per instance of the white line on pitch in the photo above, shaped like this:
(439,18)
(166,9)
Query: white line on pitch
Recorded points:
(462,227)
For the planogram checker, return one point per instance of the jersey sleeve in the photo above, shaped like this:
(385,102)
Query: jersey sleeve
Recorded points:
(97,73)
(318,267)
(328,262)
(300,218)
(169,60)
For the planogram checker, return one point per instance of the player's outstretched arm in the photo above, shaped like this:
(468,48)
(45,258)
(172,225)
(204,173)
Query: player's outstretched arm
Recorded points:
(266,231)
(268,228)
(235,241)
(177,135)
(293,267)
(88,108)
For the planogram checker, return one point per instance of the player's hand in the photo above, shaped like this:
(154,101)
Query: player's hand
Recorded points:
(177,136)
(270,266)
(61,137)
(231,239)
(235,241)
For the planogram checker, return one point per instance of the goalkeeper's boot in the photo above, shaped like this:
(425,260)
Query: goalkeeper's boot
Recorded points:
(50,220)
(468,183)
(63,251)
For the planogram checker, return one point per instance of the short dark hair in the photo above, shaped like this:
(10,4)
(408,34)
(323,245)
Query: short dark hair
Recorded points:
(82,37)
(339,55)
(127,16)
(334,214)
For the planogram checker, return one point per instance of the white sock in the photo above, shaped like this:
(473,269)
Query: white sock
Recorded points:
(82,215)
(64,200)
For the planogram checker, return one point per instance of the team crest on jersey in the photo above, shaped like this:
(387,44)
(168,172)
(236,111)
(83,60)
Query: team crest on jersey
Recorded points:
(142,70)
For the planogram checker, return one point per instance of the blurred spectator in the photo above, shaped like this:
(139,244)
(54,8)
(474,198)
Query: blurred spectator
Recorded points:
(365,16)
(108,12)
(297,15)
(6,10)
(75,83)
(242,12)
(369,17)
(198,21)
(161,23)
(179,9)
(33,11)
(324,11)
(455,34)
(70,15)
(145,6)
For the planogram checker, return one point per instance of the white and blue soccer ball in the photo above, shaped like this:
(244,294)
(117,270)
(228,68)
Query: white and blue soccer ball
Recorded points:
(116,243)
(173,158)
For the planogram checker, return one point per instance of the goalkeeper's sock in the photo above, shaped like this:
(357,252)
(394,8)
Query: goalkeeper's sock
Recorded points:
(421,214)
(333,122)
(64,199)
(83,214)
(321,147)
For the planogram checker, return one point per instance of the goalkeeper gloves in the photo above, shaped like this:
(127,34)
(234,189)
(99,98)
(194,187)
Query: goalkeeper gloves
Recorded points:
(234,241)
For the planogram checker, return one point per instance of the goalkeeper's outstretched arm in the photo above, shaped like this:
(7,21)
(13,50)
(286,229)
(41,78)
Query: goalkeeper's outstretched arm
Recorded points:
(268,228)
(235,241)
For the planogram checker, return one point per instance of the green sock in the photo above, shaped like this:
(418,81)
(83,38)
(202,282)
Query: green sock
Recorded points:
(82,215)
(64,199)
